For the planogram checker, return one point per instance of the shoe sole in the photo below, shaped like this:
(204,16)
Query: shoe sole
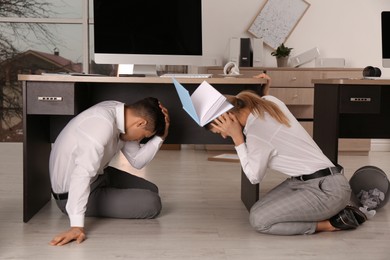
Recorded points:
(352,217)
(360,216)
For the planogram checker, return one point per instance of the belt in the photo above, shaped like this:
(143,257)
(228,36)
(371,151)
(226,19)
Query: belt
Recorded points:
(321,173)
(60,196)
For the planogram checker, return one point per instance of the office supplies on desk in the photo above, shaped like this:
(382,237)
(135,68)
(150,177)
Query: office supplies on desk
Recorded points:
(184,76)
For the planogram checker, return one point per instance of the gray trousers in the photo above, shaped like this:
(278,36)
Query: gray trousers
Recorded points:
(294,207)
(118,194)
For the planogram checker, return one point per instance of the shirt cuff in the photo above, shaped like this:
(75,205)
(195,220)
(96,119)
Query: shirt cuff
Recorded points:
(76,220)
(241,149)
(157,140)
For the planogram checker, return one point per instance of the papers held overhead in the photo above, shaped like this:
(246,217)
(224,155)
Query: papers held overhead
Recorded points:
(205,104)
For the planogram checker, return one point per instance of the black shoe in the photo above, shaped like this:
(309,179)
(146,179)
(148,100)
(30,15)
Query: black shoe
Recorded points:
(344,220)
(359,215)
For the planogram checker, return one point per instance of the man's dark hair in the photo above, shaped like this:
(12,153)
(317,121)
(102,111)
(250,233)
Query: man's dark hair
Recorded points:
(149,108)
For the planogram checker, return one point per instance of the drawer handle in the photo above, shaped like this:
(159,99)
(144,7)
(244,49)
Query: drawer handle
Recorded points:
(294,78)
(49,98)
(360,99)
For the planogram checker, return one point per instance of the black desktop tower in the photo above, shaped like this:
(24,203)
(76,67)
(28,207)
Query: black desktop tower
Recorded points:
(246,53)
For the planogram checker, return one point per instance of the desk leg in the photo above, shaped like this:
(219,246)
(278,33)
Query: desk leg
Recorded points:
(36,152)
(326,119)
(249,191)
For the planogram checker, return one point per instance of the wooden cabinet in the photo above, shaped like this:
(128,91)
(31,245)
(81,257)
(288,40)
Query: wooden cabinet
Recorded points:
(295,88)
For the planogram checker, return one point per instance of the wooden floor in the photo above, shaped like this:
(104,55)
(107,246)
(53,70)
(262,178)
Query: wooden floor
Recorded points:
(202,218)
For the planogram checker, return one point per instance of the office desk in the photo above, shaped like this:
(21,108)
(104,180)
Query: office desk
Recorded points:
(350,108)
(50,101)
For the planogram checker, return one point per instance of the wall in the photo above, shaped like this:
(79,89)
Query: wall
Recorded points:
(347,29)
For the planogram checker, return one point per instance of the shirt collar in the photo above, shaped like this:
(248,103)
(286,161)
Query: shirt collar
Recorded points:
(120,117)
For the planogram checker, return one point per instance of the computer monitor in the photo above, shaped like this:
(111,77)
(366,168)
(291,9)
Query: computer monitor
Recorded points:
(386,39)
(148,32)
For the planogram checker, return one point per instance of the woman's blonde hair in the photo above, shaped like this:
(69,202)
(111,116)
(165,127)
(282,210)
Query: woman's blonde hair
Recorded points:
(257,105)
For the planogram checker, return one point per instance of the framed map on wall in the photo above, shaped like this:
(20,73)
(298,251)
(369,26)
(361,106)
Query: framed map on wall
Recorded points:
(277,19)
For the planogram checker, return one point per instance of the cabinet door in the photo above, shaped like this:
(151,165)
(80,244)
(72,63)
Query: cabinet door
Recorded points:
(51,98)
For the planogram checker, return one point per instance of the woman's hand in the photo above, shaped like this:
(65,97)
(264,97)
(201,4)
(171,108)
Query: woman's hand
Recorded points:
(226,125)
(267,85)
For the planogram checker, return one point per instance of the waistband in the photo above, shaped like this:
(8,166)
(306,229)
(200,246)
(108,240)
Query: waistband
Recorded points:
(321,173)
(59,196)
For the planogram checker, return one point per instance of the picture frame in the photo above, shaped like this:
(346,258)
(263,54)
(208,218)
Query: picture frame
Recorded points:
(277,19)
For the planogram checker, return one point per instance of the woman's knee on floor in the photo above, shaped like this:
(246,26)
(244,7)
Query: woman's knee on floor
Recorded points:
(259,222)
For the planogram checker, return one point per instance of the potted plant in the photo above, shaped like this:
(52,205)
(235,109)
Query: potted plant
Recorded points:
(282,54)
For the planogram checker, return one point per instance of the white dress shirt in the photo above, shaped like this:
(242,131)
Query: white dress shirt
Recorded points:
(85,147)
(269,144)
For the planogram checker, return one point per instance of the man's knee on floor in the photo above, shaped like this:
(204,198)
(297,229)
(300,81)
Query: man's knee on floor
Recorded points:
(152,205)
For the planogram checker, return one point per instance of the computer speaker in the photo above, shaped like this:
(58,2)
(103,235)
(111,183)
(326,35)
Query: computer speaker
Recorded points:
(371,71)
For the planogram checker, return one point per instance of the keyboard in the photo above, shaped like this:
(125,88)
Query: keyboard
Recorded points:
(183,75)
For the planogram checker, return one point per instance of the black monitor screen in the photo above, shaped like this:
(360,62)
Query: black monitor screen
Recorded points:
(170,27)
(386,35)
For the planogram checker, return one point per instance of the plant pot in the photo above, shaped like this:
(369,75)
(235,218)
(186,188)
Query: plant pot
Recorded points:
(282,61)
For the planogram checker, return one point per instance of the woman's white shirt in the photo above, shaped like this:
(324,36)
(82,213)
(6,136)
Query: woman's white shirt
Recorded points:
(269,144)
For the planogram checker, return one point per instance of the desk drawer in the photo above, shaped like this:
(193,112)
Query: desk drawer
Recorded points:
(294,96)
(293,78)
(50,99)
(360,99)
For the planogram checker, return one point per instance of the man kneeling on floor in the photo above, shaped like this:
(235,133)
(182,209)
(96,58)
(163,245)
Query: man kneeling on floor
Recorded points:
(83,185)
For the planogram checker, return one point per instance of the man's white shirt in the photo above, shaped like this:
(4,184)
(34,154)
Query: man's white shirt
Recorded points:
(85,147)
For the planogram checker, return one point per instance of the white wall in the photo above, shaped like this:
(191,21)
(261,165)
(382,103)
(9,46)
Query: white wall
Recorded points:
(349,29)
